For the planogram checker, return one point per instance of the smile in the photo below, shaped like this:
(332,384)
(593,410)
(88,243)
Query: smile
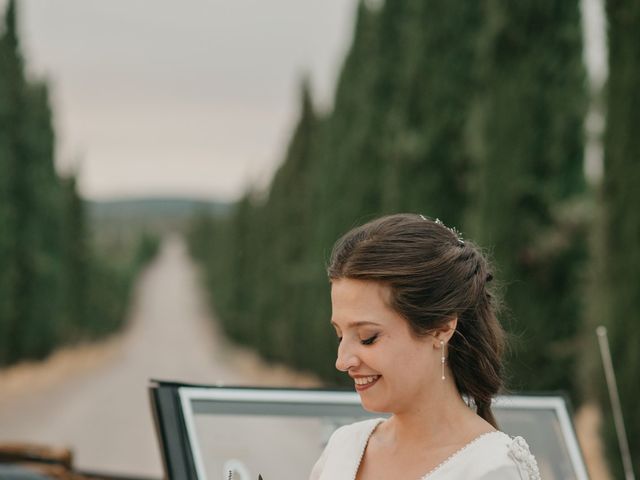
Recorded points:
(363,383)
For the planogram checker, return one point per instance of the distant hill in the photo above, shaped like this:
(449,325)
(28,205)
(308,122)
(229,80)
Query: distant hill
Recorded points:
(155,207)
(151,213)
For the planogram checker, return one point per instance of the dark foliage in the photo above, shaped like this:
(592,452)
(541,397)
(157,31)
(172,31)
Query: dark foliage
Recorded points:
(54,287)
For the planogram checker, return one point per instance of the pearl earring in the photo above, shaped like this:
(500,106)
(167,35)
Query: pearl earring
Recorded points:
(442,357)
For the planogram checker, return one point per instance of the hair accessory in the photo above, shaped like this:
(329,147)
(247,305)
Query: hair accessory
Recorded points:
(442,359)
(453,230)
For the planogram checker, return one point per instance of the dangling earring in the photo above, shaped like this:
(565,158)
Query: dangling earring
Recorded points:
(442,357)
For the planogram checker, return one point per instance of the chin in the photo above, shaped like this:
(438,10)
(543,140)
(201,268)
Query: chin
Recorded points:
(374,407)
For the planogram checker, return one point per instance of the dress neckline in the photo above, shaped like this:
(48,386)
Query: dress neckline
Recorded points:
(458,452)
(442,464)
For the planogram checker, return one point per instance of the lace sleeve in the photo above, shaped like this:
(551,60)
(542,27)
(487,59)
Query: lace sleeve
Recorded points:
(518,464)
(521,455)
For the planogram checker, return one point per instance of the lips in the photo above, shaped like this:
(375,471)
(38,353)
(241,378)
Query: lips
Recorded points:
(365,382)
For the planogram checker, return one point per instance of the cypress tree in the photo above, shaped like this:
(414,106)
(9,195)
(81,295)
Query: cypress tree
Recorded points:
(284,229)
(620,226)
(43,226)
(17,267)
(527,146)
(76,263)
(241,299)
(49,281)
(7,110)
(425,151)
(351,167)
(30,243)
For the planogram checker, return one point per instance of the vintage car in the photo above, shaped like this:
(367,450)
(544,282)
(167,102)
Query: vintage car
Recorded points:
(239,433)
(215,432)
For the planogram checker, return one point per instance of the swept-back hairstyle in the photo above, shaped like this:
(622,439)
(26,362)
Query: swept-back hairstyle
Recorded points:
(433,276)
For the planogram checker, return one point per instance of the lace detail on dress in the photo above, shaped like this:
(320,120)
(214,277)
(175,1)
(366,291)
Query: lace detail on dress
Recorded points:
(457,453)
(524,459)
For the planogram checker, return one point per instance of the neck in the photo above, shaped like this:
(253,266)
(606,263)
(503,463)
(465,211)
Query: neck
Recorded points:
(438,419)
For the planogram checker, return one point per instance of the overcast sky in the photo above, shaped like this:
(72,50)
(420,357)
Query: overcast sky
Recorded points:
(197,97)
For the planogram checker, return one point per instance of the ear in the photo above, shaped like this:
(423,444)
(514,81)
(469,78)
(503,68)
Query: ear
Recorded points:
(446,331)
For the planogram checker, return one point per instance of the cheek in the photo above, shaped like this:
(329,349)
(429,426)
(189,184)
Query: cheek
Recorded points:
(408,362)
(413,363)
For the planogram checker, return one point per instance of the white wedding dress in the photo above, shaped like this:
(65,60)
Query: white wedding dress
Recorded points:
(491,456)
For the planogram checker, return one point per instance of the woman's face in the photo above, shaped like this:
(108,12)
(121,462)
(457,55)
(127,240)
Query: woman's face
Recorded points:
(392,370)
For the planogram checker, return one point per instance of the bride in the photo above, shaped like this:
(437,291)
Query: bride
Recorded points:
(418,333)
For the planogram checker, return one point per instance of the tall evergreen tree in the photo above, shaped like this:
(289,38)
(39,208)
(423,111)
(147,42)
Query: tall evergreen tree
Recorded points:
(77,292)
(7,77)
(52,289)
(426,155)
(30,193)
(283,227)
(42,241)
(351,165)
(527,144)
(17,264)
(621,224)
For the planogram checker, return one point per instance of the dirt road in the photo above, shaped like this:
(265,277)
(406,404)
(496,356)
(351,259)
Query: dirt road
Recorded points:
(94,398)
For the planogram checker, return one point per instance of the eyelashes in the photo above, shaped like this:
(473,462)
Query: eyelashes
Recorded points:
(370,340)
(366,341)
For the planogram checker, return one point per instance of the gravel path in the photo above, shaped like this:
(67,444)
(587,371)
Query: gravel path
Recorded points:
(94,398)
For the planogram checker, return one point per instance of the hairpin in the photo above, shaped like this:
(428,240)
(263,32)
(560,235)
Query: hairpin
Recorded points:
(453,230)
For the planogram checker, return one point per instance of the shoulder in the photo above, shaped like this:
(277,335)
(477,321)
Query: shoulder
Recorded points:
(501,457)
(521,455)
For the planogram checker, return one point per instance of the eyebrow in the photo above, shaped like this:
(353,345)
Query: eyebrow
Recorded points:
(356,324)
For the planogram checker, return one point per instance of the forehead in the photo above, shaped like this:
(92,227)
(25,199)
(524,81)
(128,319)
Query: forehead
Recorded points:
(361,301)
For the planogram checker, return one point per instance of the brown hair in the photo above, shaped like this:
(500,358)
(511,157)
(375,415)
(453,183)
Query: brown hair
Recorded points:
(433,275)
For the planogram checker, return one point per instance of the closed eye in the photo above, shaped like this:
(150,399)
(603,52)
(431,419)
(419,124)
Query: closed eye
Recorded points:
(370,340)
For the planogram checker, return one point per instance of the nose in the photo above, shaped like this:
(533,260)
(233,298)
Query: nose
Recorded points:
(346,359)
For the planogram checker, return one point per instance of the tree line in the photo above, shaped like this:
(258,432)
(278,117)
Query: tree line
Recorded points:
(472,112)
(55,287)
